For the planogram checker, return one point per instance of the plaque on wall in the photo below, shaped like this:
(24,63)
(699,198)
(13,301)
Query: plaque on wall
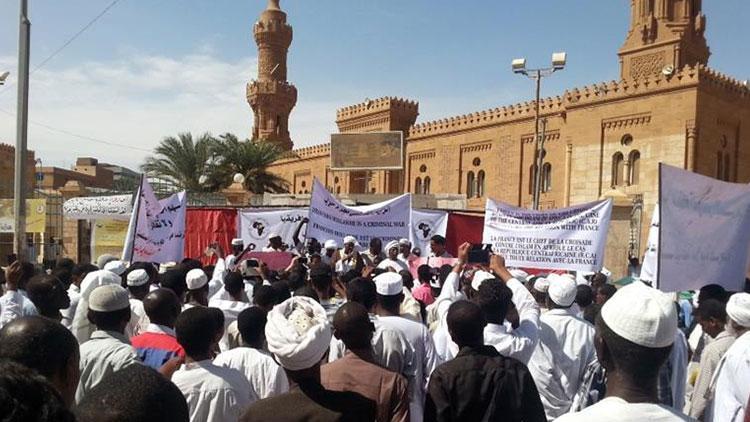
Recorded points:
(367,151)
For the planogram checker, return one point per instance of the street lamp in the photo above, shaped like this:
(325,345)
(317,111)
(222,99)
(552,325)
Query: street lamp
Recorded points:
(519,67)
(3,77)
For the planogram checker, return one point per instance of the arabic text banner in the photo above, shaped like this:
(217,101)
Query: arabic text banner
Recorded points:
(566,239)
(157,228)
(330,219)
(704,231)
(117,207)
(36,216)
(257,224)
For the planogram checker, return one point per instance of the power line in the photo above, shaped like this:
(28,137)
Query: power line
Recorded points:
(66,43)
(76,135)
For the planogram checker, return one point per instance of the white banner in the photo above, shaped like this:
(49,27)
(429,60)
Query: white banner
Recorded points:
(650,266)
(117,207)
(256,224)
(157,228)
(330,219)
(704,231)
(563,239)
(424,225)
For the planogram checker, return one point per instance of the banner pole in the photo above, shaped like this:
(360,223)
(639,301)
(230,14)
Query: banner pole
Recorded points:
(137,210)
(659,248)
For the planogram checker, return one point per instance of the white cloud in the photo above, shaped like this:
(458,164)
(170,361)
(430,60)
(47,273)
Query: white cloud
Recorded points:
(137,100)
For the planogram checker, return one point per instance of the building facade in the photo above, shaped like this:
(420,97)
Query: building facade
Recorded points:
(605,139)
(8,166)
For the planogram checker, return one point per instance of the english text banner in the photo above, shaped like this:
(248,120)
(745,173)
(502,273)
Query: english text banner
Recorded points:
(330,219)
(566,239)
(704,231)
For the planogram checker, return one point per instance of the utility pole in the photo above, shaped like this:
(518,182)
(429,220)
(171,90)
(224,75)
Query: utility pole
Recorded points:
(22,114)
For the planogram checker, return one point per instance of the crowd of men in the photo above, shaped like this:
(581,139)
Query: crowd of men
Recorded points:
(350,334)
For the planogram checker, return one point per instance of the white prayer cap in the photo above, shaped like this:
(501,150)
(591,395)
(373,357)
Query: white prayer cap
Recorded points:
(581,277)
(272,235)
(350,239)
(568,276)
(163,268)
(117,267)
(391,244)
(196,279)
(607,273)
(643,315)
(104,260)
(237,242)
(137,278)
(738,309)
(404,242)
(519,274)
(109,298)
(541,285)
(389,284)
(330,244)
(562,290)
(298,333)
(479,278)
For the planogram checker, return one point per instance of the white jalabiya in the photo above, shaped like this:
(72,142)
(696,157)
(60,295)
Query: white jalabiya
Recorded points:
(558,364)
(265,376)
(396,265)
(426,359)
(615,409)
(74,293)
(732,385)
(519,343)
(213,393)
(106,352)
(138,319)
(82,328)
(231,309)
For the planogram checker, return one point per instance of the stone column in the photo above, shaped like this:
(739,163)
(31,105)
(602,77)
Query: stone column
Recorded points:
(70,240)
(692,139)
(237,195)
(568,173)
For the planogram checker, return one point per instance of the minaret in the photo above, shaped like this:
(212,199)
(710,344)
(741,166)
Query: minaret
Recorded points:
(271,96)
(663,33)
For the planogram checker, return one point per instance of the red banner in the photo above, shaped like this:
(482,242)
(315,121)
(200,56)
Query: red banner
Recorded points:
(204,226)
(463,228)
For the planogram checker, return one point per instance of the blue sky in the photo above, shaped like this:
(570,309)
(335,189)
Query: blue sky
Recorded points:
(148,69)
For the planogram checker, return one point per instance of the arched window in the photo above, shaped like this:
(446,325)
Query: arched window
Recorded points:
(532,178)
(719,165)
(418,186)
(480,184)
(727,168)
(546,177)
(338,190)
(426,186)
(635,167)
(470,184)
(618,169)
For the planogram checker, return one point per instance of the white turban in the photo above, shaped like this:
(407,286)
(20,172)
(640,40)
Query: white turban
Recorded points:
(391,244)
(738,309)
(81,326)
(298,333)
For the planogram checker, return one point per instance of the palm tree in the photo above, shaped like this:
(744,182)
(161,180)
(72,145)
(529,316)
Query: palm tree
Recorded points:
(251,159)
(182,161)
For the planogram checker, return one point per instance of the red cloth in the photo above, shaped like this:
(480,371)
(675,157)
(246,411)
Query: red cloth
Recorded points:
(204,226)
(463,228)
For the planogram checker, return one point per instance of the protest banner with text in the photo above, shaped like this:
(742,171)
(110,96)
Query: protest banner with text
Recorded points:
(330,219)
(704,231)
(562,239)
(156,232)
(257,224)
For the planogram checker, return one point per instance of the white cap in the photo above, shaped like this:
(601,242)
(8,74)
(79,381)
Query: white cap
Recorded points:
(196,279)
(389,284)
(519,274)
(391,244)
(109,298)
(237,242)
(163,268)
(643,315)
(607,273)
(272,235)
(562,290)
(738,309)
(350,239)
(330,244)
(541,285)
(479,278)
(117,267)
(137,278)
(404,242)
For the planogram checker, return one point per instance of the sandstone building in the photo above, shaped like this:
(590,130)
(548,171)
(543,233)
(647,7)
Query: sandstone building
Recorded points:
(604,139)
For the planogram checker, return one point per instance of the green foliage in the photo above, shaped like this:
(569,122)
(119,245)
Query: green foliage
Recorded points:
(183,160)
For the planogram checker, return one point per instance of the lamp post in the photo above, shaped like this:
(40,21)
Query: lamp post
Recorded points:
(3,77)
(519,67)
(22,115)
